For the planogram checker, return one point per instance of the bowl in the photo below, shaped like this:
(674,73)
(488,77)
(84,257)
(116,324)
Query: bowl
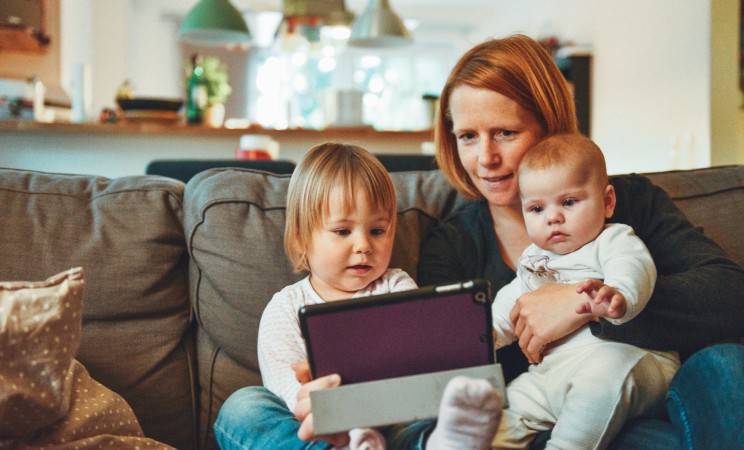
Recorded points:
(149,104)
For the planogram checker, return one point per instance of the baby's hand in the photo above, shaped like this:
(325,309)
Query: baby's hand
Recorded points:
(606,301)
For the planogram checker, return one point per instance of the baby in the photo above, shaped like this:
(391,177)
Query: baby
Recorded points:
(586,387)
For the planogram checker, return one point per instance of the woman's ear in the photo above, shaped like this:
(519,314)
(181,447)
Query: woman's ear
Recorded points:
(609,201)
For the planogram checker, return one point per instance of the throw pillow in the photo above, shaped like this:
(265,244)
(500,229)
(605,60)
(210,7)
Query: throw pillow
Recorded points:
(40,328)
(47,398)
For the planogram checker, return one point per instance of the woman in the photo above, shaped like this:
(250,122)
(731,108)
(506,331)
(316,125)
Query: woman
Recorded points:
(502,97)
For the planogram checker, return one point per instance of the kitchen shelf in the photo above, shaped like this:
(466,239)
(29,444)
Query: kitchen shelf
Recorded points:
(197,130)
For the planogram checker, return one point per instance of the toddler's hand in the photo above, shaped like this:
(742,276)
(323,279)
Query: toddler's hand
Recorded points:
(302,372)
(303,410)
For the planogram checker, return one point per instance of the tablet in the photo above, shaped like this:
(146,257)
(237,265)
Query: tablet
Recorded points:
(430,329)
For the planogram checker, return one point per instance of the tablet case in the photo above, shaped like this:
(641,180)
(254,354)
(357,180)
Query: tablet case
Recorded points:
(431,329)
(390,401)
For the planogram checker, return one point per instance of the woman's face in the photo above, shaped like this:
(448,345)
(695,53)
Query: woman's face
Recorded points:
(492,132)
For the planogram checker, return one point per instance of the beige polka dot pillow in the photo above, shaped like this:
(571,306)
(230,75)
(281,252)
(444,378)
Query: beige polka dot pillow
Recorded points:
(40,327)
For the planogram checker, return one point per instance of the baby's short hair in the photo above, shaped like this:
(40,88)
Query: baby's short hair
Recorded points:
(324,168)
(572,150)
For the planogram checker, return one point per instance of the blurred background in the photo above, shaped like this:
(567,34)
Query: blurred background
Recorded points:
(664,73)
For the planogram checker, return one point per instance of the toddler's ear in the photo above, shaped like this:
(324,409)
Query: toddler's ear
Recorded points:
(609,201)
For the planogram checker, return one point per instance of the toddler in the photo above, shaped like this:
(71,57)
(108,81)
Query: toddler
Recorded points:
(340,227)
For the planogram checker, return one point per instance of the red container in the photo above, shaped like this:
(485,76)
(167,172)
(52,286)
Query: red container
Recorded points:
(257,146)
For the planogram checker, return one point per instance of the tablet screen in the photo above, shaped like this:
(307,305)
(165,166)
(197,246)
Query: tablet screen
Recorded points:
(425,330)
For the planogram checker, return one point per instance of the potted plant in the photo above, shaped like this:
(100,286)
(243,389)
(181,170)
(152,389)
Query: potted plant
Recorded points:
(218,89)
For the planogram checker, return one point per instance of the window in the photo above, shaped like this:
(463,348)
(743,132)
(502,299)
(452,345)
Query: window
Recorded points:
(297,83)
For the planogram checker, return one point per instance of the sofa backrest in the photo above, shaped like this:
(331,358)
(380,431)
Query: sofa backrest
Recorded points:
(712,198)
(127,235)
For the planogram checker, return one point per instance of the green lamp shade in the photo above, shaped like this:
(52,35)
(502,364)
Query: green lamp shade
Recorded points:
(379,26)
(214,23)
(330,12)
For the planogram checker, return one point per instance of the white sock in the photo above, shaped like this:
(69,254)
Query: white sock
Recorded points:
(469,415)
(366,439)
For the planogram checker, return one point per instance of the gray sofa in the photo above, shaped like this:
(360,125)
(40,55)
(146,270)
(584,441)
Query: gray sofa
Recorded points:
(177,275)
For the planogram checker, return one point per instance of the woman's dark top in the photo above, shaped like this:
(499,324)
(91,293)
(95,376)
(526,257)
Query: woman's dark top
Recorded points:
(699,293)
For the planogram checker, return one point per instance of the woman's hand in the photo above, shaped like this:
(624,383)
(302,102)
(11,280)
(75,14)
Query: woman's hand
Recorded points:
(303,409)
(546,315)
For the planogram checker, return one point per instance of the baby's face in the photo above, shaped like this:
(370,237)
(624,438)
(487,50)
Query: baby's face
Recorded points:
(563,208)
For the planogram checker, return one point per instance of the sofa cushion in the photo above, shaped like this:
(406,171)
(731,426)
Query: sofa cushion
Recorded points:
(127,235)
(234,223)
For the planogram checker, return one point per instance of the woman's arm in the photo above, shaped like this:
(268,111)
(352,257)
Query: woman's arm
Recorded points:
(699,293)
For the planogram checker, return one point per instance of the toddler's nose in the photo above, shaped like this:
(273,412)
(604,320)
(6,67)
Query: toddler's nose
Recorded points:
(362,245)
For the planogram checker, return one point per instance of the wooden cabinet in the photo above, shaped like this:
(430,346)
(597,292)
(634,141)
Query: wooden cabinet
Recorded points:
(23,26)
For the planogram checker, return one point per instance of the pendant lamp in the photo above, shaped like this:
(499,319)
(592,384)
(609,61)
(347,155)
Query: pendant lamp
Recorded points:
(214,23)
(379,26)
(330,12)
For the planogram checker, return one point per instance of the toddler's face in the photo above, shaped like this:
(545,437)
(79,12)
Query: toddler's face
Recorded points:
(564,210)
(350,250)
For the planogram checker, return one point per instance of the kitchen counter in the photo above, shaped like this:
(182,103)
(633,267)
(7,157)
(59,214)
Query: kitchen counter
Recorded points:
(112,150)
